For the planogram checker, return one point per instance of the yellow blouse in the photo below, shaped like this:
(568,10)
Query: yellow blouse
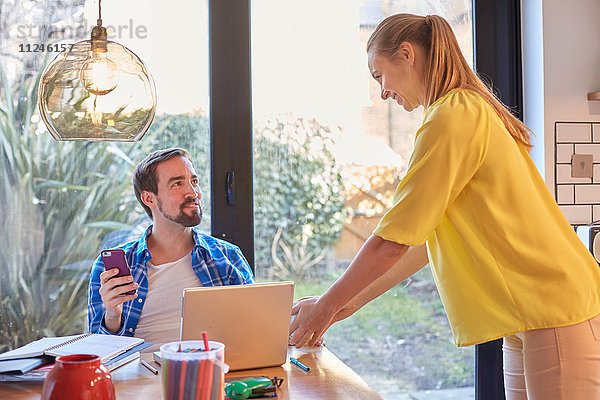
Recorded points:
(503,256)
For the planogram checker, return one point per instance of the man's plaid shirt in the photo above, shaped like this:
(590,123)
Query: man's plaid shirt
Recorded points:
(215,262)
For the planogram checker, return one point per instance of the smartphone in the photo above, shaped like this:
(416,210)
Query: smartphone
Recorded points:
(115,258)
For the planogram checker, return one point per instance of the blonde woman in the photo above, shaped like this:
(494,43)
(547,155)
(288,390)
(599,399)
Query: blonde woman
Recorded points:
(506,262)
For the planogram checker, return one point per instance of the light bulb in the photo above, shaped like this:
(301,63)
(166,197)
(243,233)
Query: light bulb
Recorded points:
(99,74)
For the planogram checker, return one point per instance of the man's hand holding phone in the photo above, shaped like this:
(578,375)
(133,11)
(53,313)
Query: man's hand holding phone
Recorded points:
(116,287)
(112,290)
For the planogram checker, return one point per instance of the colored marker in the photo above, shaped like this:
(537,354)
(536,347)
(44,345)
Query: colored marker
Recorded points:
(299,364)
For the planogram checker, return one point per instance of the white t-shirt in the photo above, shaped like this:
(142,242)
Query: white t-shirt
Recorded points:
(161,316)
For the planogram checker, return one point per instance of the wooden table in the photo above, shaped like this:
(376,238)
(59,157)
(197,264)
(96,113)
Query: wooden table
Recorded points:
(328,378)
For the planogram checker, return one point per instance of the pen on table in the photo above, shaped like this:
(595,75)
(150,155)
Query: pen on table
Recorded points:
(150,367)
(299,364)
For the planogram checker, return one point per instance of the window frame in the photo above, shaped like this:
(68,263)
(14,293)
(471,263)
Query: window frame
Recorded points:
(232,212)
(498,59)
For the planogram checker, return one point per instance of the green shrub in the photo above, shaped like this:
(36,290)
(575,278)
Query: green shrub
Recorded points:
(58,200)
(298,196)
(298,189)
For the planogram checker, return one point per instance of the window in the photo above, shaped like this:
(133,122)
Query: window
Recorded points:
(53,194)
(62,201)
(328,155)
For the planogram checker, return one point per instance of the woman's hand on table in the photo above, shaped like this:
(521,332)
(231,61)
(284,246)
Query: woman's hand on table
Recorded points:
(321,341)
(311,321)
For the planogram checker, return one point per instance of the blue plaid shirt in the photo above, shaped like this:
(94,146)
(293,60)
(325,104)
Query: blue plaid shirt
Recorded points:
(215,262)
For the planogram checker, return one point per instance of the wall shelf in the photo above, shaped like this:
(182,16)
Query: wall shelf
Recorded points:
(594,96)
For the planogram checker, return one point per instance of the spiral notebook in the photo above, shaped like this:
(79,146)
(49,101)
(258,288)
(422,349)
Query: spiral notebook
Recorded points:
(104,346)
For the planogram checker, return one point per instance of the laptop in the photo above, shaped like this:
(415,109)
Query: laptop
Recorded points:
(253,321)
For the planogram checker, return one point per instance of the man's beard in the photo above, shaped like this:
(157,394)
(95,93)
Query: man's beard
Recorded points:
(182,218)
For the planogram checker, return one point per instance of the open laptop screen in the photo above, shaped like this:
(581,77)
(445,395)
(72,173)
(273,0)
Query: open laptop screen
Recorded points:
(251,320)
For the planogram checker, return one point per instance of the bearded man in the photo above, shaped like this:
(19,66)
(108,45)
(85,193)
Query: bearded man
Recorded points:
(170,256)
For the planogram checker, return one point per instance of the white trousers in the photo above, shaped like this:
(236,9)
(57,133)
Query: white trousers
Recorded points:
(554,363)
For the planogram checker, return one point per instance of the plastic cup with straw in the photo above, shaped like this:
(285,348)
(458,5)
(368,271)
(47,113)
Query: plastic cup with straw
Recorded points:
(194,370)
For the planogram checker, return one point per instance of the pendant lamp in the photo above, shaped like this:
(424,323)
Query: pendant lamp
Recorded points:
(97,90)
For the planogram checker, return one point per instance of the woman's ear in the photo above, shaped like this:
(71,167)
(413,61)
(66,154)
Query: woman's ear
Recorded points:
(406,52)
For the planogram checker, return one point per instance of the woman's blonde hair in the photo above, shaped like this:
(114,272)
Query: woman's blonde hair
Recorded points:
(446,67)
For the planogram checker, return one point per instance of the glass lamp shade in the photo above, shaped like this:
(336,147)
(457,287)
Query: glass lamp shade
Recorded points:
(97,90)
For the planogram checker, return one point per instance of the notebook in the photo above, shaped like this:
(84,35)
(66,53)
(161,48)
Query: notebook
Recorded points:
(126,357)
(121,360)
(23,365)
(253,321)
(104,346)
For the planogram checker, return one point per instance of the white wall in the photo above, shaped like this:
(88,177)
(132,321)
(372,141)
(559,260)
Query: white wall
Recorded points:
(561,64)
(571,54)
